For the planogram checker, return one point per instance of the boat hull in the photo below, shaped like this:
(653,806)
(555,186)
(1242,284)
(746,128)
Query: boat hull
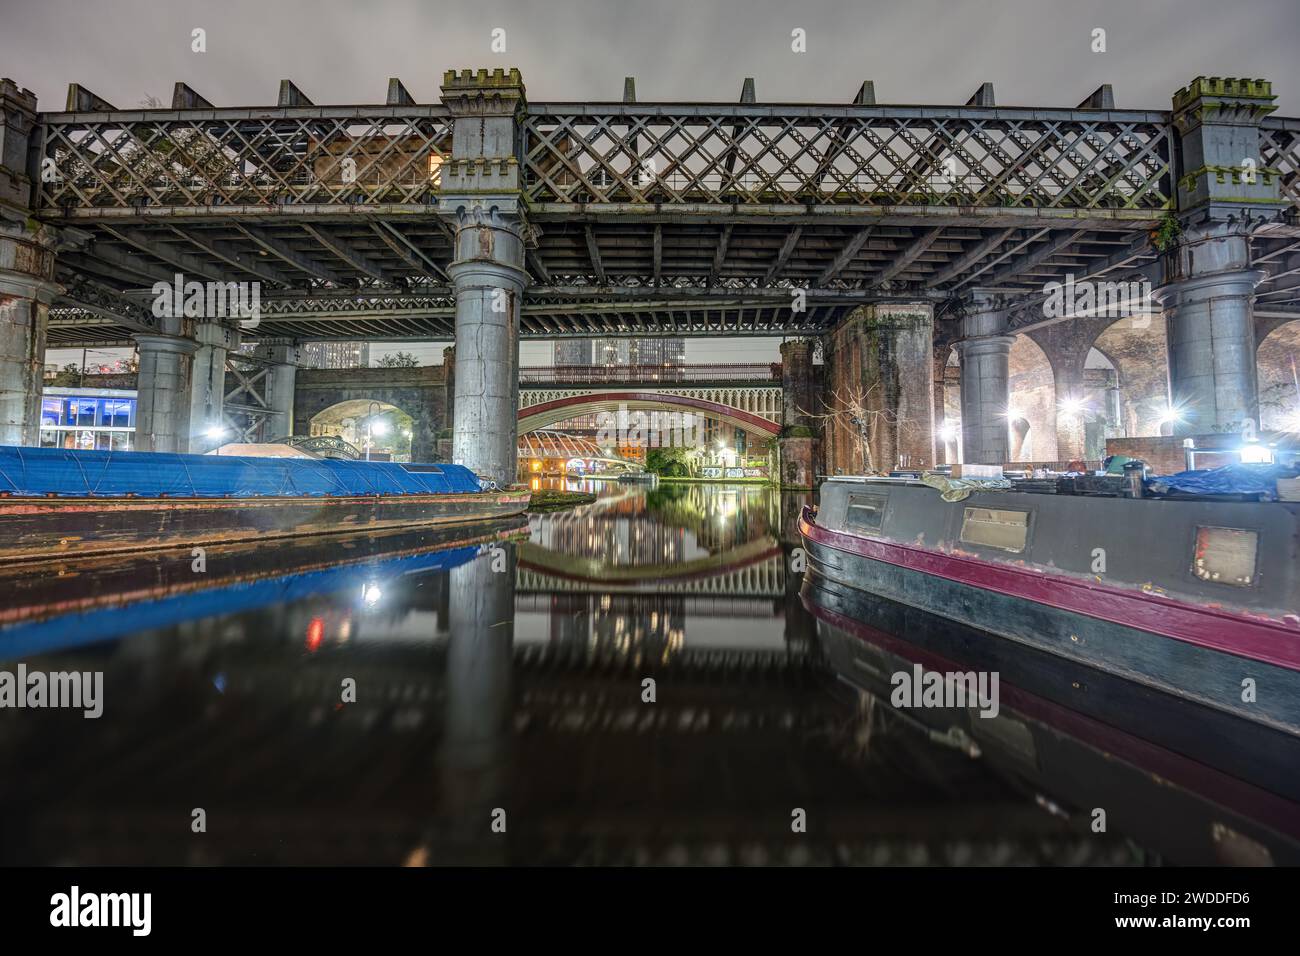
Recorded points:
(43,528)
(1026,607)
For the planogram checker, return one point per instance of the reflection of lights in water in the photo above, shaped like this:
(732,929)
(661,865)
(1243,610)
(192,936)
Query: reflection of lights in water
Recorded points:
(536,484)
(371,594)
(315,634)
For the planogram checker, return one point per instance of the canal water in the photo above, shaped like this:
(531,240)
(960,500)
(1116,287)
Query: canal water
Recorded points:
(640,680)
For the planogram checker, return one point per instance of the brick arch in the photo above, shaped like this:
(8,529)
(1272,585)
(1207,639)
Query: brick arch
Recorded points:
(1032,396)
(1277,348)
(418,392)
(549,413)
(1135,346)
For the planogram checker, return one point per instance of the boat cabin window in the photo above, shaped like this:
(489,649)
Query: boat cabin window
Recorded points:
(995,528)
(1226,556)
(423,469)
(865,512)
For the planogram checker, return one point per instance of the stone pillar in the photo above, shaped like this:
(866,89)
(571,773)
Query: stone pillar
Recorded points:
(1208,299)
(879,372)
(280,379)
(208,386)
(1224,193)
(488,277)
(1071,407)
(942,454)
(480,195)
(26,274)
(162,415)
(799,447)
(26,291)
(797,386)
(898,346)
(984,349)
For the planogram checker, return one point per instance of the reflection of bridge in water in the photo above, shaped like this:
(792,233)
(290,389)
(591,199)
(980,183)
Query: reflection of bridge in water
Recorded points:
(699,540)
(753,569)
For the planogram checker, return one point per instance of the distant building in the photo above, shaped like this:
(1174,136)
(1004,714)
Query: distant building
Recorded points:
(334,355)
(573,352)
(616,352)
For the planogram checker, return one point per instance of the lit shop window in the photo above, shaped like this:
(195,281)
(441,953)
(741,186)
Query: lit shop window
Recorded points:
(1226,556)
(52,412)
(995,528)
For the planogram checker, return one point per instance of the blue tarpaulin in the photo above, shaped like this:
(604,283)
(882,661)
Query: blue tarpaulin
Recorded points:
(1241,479)
(59,471)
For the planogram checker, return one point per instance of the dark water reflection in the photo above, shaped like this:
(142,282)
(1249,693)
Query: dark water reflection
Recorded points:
(502,680)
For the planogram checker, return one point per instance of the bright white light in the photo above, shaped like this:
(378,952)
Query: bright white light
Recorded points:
(1073,406)
(1014,413)
(370,594)
(380,428)
(216,431)
(1257,454)
(949,431)
(1169,416)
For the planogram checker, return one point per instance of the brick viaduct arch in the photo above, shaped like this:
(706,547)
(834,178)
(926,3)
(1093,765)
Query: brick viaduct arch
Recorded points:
(420,392)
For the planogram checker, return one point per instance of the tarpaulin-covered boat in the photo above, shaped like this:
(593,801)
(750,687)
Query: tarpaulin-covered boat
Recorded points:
(55,502)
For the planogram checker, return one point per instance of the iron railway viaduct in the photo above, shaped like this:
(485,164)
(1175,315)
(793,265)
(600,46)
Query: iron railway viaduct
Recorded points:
(892,247)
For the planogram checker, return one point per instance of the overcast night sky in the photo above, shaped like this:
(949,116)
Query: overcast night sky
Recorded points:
(1035,53)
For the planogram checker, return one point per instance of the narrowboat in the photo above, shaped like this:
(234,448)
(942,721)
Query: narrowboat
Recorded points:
(1193,596)
(58,502)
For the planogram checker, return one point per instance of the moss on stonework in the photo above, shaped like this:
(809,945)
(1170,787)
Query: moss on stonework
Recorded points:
(1165,236)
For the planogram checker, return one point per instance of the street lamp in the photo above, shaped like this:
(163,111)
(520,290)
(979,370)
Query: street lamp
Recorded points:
(373,427)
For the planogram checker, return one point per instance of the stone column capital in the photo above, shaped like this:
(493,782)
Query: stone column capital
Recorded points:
(281,351)
(1212,285)
(985,345)
(156,342)
(216,335)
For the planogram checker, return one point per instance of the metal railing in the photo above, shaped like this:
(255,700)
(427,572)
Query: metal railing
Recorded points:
(619,154)
(873,156)
(365,156)
(648,374)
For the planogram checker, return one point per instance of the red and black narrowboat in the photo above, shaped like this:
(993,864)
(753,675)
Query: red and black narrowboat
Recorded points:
(1194,597)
